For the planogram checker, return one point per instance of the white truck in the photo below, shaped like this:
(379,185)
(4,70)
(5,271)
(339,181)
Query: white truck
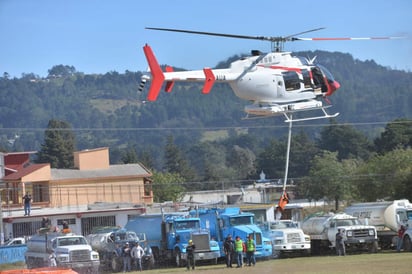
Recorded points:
(287,238)
(69,250)
(387,217)
(16,241)
(322,230)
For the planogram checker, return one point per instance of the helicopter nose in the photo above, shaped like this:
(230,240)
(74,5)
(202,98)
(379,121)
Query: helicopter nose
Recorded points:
(333,87)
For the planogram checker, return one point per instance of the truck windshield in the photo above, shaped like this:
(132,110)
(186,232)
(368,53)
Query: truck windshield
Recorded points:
(347,222)
(187,225)
(126,236)
(409,213)
(242,220)
(71,241)
(282,225)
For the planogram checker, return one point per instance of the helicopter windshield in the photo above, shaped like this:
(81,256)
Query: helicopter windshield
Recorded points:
(327,73)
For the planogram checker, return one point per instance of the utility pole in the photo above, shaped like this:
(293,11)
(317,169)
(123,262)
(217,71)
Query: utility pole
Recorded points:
(1,218)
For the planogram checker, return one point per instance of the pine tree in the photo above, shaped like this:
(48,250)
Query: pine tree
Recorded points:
(58,146)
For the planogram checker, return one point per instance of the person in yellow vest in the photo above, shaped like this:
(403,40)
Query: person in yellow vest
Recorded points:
(250,251)
(239,251)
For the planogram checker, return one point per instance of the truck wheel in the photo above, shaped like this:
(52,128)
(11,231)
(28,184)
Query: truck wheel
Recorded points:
(116,264)
(178,258)
(93,270)
(407,243)
(276,254)
(373,247)
(30,263)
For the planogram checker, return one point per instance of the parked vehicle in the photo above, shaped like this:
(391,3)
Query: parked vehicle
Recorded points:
(223,222)
(287,238)
(16,241)
(69,250)
(169,234)
(387,217)
(105,240)
(322,230)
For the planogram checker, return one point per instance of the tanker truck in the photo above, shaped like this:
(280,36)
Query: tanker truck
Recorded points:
(387,217)
(322,230)
(70,251)
(105,240)
(168,236)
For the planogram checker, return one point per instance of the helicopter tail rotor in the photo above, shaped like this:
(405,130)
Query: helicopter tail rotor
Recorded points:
(143,82)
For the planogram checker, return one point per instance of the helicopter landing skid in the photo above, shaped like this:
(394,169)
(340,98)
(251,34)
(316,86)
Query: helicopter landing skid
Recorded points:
(259,111)
(289,119)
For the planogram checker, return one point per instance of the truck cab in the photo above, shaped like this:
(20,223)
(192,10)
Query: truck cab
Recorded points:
(180,230)
(287,238)
(70,250)
(223,222)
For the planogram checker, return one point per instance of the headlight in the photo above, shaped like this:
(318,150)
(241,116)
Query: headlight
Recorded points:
(349,233)
(371,232)
(278,242)
(95,256)
(267,243)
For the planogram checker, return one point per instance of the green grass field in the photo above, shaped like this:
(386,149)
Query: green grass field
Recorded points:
(388,263)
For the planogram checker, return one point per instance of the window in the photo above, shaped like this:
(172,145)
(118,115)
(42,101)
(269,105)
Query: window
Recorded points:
(69,221)
(291,79)
(40,193)
(306,79)
(147,184)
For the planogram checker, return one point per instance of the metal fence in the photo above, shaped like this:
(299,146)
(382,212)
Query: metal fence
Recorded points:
(89,222)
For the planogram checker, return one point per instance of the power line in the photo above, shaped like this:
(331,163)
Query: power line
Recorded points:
(204,128)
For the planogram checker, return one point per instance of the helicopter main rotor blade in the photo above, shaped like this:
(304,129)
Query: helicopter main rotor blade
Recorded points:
(263,38)
(303,32)
(347,38)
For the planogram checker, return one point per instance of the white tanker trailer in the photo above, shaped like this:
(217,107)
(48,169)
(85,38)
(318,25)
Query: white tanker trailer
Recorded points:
(387,217)
(322,230)
(69,250)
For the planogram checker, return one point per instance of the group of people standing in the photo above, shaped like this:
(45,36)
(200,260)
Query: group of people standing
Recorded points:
(235,249)
(130,254)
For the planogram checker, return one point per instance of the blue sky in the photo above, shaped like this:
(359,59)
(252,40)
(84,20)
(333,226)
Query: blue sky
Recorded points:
(98,36)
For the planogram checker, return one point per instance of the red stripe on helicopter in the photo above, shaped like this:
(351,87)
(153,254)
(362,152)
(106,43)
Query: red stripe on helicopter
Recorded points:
(209,81)
(157,74)
(287,68)
(169,84)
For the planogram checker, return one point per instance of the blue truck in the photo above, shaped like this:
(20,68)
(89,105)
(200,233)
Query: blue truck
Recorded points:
(225,221)
(169,234)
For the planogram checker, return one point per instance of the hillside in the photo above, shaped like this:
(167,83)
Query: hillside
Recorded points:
(107,110)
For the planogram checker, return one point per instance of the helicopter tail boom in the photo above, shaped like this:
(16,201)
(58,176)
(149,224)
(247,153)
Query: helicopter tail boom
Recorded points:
(207,75)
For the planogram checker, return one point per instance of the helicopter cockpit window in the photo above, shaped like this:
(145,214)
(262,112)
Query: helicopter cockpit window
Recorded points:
(318,79)
(291,79)
(306,78)
(327,73)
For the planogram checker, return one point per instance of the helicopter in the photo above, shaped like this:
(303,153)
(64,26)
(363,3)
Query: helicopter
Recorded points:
(277,83)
